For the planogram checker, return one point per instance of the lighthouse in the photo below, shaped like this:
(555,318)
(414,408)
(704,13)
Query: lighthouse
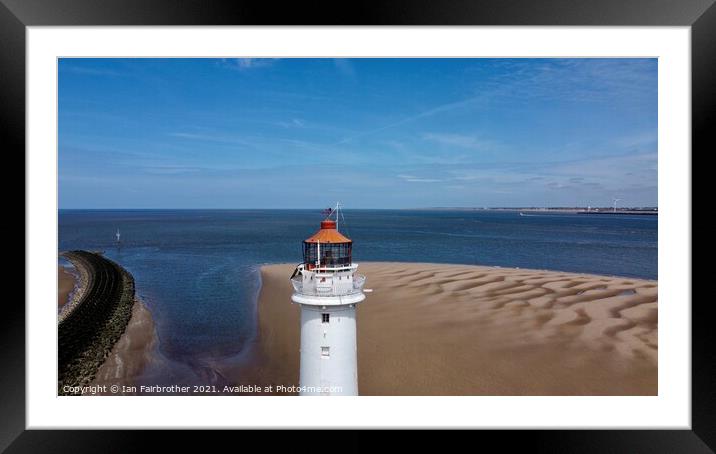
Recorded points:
(328,289)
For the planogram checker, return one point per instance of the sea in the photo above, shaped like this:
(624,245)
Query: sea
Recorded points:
(198,270)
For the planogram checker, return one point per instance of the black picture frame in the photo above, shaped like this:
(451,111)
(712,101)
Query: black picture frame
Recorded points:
(16,15)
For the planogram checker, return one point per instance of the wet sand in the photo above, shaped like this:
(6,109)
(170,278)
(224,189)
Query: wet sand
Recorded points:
(434,329)
(66,283)
(132,352)
(134,349)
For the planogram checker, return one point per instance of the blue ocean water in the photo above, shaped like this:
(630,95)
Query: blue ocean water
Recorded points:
(197,270)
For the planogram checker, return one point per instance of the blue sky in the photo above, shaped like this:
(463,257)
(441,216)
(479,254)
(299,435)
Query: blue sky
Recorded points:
(372,133)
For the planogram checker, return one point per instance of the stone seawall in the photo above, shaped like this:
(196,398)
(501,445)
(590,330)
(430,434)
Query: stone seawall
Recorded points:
(95,320)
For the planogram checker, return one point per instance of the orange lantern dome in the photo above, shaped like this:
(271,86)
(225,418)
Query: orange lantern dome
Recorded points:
(327,247)
(328,234)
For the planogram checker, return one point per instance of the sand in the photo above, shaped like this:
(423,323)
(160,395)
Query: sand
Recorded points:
(433,329)
(66,283)
(132,352)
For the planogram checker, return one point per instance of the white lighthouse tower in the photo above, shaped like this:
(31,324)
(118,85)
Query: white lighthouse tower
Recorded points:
(328,289)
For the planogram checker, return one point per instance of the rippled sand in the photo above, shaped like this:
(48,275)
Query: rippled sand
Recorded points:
(434,329)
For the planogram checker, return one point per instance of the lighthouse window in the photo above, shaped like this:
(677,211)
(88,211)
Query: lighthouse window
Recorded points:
(325,317)
(325,352)
(332,254)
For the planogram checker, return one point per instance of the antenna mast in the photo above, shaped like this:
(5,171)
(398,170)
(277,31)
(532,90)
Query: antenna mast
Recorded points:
(338,207)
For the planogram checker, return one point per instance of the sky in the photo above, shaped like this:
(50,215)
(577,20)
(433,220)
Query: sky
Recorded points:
(370,133)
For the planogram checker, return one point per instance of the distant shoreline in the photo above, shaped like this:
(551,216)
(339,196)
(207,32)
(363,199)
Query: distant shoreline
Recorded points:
(601,210)
(608,211)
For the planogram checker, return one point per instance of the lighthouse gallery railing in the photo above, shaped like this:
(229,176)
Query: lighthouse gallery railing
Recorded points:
(335,290)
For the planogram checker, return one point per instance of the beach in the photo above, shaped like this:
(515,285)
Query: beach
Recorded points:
(66,283)
(125,337)
(132,352)
(438,329)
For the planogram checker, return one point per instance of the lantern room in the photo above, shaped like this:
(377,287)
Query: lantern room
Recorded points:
(327,248)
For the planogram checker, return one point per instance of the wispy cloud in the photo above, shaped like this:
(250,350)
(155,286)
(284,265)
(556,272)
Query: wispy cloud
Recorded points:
(345,67)
(293,123)
(571,80)
(460,140)
(89,71)
(249,63)
(638,140)
(414,179)
(169,169)
(211,138)
(574,80)
(420,115)
(461,132)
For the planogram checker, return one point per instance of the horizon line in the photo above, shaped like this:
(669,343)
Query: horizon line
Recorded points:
(533,207)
